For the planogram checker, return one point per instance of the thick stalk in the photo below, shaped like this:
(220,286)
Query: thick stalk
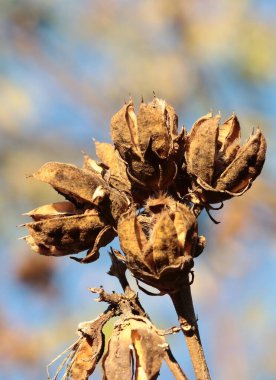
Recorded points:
(183,304)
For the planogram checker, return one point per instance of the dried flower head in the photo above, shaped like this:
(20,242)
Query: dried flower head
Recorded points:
(160,244)
(149,144)
(217,166)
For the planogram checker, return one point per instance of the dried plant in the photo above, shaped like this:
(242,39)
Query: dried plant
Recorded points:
(148,189)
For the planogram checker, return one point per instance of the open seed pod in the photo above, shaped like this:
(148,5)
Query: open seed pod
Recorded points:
(149,144)
(135,350)
(160,244)
(217,166)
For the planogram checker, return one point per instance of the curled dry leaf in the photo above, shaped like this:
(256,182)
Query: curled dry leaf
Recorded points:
(135,350)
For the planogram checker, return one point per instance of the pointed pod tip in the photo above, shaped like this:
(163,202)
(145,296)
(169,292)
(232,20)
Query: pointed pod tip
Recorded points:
(22,225)
(76,259)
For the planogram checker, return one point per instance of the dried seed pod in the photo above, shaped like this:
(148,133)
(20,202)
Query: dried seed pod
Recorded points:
(160,244)
(149,144)
(64,235)
(217,167)
(76,185)
(89,350)
(88,221)
(134,338)
(81,187)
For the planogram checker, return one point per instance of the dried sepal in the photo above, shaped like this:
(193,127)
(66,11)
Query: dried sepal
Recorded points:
(246,166)
(201,147)
(133,239)
(164,241)
(116,176)
(96,167)
(228,142)
(104,237)
(151,123)
(135,350)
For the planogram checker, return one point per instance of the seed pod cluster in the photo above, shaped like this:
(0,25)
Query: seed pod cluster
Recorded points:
(145,189)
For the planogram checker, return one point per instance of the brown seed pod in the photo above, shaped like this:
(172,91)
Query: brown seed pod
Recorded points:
(64,235)
(159,246)
(149,144)
(83,188)
(217,167)
(135,350)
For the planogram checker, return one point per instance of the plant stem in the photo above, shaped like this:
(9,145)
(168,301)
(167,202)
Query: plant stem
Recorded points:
(183,304)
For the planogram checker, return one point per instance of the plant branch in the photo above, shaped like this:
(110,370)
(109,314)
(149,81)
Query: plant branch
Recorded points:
(183,304)
(174,366)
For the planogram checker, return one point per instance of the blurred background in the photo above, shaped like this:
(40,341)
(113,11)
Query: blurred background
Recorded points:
(65,68)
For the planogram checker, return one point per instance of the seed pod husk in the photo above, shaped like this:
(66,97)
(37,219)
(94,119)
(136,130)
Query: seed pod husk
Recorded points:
(159,245)
(149,144)
(217,167)
(64,235)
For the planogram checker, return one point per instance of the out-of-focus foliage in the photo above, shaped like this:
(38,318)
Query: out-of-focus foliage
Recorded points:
(65,68)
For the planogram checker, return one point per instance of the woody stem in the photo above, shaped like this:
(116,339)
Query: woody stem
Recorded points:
(183,304)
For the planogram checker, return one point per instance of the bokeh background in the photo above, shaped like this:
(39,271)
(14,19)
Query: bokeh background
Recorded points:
(65,68)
